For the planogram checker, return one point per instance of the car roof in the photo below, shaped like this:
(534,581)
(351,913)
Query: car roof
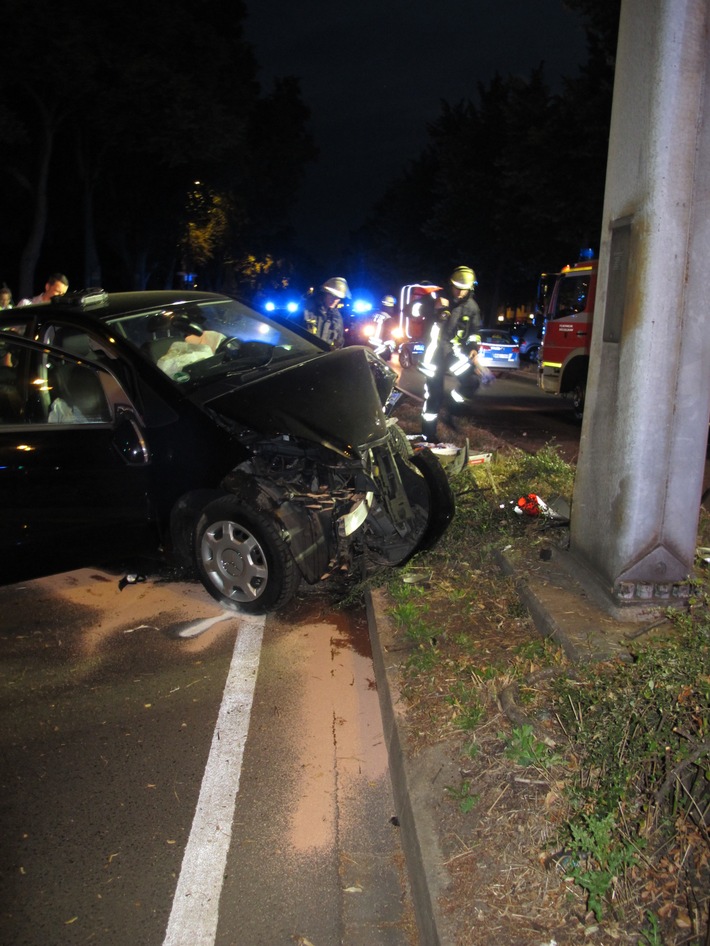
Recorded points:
(119,303)
(102,305)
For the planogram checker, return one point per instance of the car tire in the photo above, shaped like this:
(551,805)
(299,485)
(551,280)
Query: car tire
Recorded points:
(242,558)
(405,358)
(437,498)
(577,395)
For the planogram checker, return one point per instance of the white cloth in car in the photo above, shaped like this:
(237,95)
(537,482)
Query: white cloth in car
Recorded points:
(180,354)
(62,413)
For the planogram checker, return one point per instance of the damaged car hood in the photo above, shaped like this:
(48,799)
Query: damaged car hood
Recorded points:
(336,399)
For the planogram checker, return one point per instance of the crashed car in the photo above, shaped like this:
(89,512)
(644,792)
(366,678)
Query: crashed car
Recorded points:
(189,423)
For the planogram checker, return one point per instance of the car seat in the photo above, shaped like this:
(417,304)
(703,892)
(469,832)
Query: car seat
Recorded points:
(10,399)
(84,393)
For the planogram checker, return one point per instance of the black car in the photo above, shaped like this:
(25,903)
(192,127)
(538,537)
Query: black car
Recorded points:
(190,423)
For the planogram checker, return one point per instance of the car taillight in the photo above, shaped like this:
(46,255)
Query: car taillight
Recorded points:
(485,348)
(516,349)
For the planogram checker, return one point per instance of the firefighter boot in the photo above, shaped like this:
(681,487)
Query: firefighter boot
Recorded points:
(429,428)
(448,416)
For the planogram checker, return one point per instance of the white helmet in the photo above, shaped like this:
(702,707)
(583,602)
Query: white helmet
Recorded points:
(463,277)
(338,287)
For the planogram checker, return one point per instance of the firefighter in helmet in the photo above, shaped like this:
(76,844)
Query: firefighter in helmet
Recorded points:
(322,311)
(387,309)
(453,347)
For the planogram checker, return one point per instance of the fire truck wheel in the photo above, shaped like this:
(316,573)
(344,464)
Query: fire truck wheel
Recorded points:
(578,400)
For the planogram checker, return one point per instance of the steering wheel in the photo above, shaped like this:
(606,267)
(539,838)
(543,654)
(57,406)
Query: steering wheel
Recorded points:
(229,345)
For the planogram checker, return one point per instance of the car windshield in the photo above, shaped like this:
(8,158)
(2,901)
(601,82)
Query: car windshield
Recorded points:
(197,342)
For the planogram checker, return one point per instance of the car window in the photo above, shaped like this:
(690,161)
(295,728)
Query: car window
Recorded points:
(203,341)
(497,338)
(44,387)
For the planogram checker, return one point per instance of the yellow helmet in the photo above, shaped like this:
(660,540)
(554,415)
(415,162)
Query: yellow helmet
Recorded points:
(338,287)
(463,277)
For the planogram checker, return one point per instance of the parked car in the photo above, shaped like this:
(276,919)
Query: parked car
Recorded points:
(497,350)
(529,339)
(189,422)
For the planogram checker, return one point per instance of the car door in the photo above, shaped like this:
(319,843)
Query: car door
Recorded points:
(74,463)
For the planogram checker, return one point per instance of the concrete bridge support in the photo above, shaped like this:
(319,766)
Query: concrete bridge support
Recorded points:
(645,430)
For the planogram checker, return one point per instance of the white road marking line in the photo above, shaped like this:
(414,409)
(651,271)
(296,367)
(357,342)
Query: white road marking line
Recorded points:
(196,628)
(195,911)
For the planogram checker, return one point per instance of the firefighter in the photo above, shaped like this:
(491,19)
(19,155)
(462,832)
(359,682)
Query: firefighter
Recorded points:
(453,347)
(384,314)
(322,311)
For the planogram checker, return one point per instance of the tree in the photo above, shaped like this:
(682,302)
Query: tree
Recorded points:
(43,87)
(513,182)
(127,119)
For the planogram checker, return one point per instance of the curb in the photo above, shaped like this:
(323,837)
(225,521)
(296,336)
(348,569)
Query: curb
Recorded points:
(411,786)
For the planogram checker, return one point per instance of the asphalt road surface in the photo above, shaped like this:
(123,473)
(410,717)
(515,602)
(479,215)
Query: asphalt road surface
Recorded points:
(514,409)
(175,774)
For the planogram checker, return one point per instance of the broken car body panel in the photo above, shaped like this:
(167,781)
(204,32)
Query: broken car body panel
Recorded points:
(259,457)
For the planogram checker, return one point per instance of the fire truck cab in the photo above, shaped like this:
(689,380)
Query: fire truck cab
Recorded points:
(567,333)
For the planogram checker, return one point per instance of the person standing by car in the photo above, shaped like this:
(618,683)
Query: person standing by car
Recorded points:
(451,348)
(56,285)
(322,311)
(379,319)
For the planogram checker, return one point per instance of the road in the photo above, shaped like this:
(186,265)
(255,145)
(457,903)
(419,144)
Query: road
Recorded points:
(175,774)
(514,409)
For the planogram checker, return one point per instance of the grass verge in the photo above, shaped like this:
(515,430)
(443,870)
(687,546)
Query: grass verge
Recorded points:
(622,746)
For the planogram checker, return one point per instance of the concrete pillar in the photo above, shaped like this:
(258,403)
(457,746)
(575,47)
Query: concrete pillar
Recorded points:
(645,430)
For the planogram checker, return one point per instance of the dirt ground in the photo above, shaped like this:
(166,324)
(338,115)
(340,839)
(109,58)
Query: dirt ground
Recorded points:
(496,820)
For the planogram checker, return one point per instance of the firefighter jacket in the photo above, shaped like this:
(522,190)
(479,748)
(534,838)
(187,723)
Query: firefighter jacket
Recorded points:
(325,322)
(451,331)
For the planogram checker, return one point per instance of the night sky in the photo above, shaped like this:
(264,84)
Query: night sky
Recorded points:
(374,73)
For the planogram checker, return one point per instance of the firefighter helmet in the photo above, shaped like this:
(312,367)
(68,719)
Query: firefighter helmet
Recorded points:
(338,287)
(463,277)
(389,302)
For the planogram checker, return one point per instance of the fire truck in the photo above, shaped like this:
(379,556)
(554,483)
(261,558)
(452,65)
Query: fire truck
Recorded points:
(567,333)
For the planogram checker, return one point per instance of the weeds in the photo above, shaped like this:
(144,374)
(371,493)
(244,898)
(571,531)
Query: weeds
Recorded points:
(466,799)
(524,748)
(468,711)
(652,935)
(598,857)
(641,733)
(642,727)
(637,766)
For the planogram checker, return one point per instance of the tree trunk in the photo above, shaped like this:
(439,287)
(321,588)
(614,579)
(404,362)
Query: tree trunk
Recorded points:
(31,251)
(92,265)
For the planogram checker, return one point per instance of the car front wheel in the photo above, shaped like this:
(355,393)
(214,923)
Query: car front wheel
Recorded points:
(242,558)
